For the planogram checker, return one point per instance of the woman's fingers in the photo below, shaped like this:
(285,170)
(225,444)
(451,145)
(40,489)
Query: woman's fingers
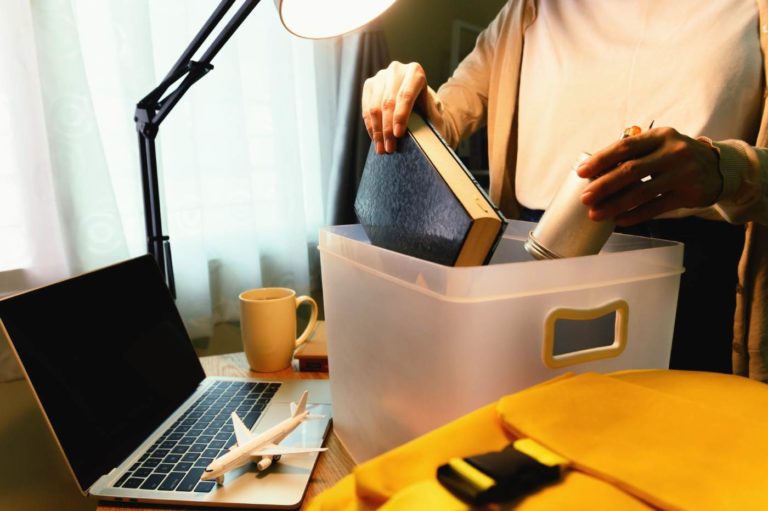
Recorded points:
(649,174)
(651,209)
(366,101)
(601,165)
(392,80)
(387,101)
(413,84)
(633,196)
(374,110)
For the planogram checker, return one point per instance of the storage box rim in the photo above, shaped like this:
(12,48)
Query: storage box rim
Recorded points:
(496,297)
(662,244)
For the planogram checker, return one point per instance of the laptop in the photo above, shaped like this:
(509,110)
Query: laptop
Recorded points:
(123,392)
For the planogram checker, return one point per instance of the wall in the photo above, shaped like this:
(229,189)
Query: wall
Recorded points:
(420,30)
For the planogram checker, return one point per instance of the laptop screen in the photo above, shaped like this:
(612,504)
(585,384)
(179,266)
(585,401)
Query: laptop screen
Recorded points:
(108,357)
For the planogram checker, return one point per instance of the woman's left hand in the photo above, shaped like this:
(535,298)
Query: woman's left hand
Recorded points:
(643,176)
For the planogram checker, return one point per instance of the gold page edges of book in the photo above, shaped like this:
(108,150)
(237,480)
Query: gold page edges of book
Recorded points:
(486,222)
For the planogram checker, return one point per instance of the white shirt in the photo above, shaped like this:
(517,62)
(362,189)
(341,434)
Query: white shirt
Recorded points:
(593,67)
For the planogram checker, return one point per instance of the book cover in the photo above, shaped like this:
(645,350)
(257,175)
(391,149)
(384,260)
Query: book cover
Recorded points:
(422,201)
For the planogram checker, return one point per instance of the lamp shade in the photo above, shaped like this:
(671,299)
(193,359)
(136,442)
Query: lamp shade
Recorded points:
(316,19)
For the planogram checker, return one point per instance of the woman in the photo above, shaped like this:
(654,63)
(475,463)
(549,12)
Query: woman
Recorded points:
(553,78)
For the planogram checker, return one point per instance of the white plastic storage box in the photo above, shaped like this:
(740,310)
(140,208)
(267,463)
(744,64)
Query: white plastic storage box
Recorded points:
(413,344)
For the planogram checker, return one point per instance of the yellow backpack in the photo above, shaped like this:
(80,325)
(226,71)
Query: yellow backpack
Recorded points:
(633,440)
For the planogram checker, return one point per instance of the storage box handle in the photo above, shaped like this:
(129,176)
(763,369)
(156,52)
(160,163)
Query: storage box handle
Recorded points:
(554,361)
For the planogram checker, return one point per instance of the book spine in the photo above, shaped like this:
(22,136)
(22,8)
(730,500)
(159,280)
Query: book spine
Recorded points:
(480,189)
(314,366)
(469,174)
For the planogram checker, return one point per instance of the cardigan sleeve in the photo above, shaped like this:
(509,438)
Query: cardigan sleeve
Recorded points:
(460,105)
(745,182)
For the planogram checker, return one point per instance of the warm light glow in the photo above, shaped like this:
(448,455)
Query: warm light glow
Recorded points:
(316,19)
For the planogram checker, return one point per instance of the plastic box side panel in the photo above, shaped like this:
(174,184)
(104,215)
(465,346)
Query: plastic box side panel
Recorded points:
(404,362)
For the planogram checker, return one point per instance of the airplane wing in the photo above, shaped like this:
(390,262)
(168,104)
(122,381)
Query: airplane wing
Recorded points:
(242,434)
(277,450)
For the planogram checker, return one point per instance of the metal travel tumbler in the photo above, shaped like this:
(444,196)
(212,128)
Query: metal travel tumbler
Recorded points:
(565,229)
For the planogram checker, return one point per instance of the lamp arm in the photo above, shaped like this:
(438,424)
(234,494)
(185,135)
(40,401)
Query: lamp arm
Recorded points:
(155,107)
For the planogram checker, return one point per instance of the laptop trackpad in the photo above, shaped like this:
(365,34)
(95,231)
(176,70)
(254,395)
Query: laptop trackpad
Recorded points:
(284,482)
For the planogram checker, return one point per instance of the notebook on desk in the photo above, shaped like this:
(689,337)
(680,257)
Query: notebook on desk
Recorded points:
(115,374)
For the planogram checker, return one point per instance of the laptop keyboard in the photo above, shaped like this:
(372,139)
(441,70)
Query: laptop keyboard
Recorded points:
(204,432)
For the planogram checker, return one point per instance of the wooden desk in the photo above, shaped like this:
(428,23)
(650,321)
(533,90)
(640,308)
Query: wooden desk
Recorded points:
(332,464)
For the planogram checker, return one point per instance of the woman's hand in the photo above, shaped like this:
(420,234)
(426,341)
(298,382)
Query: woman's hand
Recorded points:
(643,176)
(388,99)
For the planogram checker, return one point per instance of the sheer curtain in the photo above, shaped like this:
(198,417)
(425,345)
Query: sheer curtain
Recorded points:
(244,158)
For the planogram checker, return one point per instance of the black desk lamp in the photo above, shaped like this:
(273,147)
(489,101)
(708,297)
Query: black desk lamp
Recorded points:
(305,18)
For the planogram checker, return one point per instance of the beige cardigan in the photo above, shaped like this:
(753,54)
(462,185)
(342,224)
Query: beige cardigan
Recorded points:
(486,82)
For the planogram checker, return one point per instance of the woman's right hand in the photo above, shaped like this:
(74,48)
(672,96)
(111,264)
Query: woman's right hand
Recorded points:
(388,99)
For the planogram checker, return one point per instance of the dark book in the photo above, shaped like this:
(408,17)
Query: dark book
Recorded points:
(422,201)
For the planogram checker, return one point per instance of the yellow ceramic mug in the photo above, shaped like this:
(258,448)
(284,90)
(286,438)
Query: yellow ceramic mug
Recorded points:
(268,326)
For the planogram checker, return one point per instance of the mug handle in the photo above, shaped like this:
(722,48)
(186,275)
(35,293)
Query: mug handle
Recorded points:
(312,319)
